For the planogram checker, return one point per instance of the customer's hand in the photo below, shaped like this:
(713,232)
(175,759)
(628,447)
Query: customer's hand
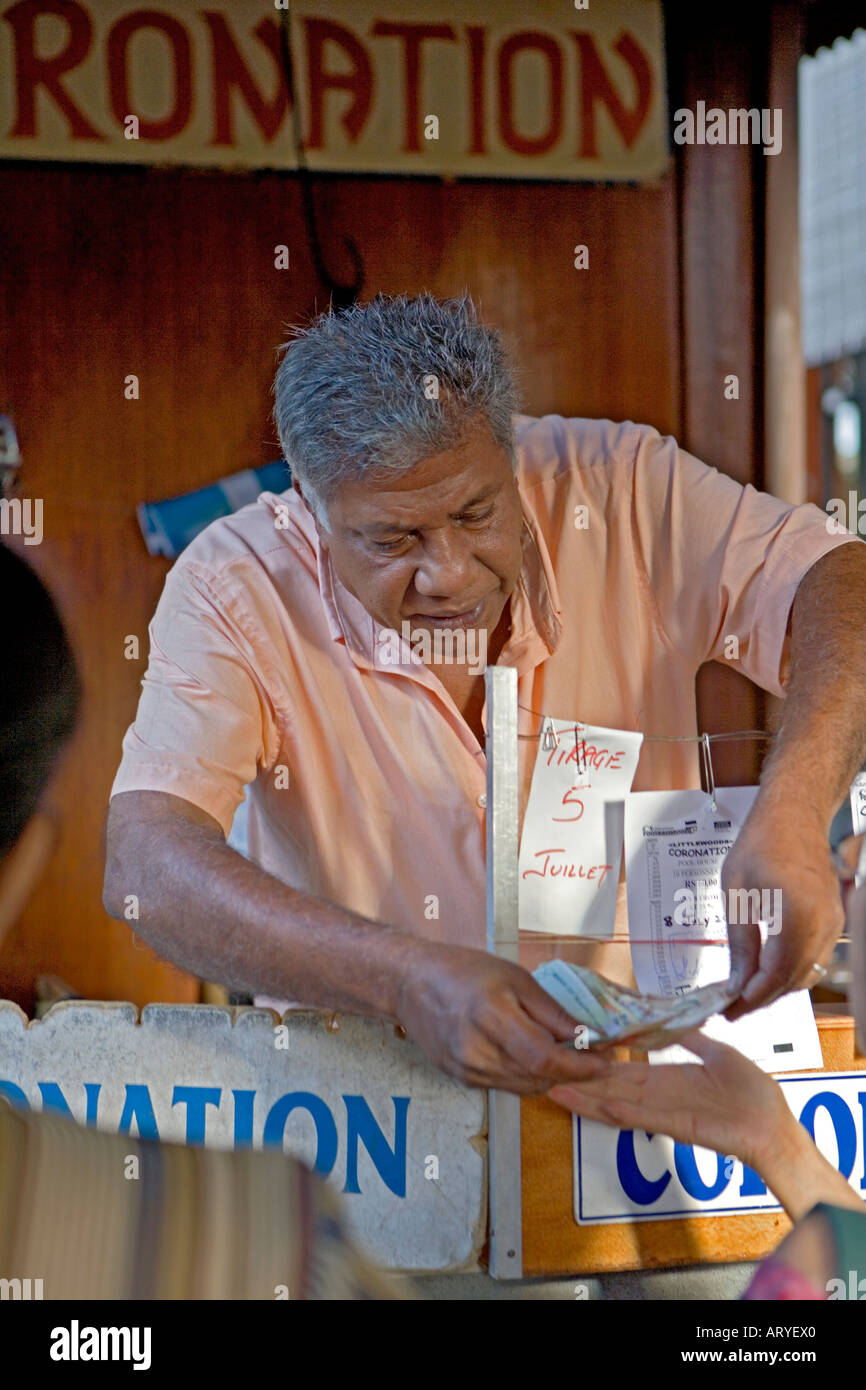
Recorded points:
(487,1022)
(728,1104)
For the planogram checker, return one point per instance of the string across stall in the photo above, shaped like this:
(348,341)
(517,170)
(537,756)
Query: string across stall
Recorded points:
(549,738)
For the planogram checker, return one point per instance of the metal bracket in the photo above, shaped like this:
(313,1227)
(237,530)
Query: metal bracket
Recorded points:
(506,1213)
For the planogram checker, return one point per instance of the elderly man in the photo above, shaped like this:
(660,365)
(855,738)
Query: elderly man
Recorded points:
(600,560)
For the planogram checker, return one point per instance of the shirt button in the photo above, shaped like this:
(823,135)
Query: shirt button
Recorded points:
(482,800)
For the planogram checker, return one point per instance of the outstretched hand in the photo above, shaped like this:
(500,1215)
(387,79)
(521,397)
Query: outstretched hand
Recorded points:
(728,1104)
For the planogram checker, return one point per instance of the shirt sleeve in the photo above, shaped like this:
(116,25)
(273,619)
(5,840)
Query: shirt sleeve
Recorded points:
(721,562)
(204,724)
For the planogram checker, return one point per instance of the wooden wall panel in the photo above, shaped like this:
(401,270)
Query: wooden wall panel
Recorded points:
(722,60)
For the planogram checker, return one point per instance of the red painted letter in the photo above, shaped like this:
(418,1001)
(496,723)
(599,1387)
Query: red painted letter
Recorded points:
(595,85)
(413,35)
(543,43)
(230,71)
(477,36)
(32,72)
(359,82)
(118,77)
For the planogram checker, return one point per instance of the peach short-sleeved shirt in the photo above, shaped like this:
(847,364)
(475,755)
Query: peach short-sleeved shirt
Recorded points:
(261,660)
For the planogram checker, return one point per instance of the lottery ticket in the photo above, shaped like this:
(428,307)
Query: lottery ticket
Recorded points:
(676,843)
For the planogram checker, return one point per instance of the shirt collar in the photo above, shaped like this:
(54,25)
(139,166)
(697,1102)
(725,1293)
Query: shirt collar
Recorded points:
(536,613)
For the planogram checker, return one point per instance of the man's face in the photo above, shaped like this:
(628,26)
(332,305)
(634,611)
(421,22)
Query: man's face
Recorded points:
(438,547)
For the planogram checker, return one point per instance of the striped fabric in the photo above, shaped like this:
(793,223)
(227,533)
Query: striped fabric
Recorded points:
(99,1216)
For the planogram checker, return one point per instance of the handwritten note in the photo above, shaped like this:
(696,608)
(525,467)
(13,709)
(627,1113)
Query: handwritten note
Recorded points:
(571,845)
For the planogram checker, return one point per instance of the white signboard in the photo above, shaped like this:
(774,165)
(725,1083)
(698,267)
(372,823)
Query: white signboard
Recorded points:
(403,1144)
(483,88)
(624,1175)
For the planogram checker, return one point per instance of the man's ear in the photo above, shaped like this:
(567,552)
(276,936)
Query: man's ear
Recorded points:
(300,491)
(321,531)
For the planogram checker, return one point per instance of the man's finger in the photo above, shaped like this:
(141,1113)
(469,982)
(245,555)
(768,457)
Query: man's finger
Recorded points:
(504,1076)
(530,1050)
(544,1009)
(745,946)
(761,989)
(496,1081)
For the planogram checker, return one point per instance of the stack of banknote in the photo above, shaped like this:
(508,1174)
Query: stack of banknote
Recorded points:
(611,1013)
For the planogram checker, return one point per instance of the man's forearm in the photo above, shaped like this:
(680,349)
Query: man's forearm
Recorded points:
(218,915)
(821,741)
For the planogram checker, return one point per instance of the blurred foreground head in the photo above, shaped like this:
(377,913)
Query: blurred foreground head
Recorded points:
(40,694)
(201,1224)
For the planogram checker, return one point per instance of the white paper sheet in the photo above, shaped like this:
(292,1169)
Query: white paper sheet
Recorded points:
(858,803)
(571,844)
(781,1037)
(675,844)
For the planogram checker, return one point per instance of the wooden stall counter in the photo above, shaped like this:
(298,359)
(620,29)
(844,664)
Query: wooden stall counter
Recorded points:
(554,1243)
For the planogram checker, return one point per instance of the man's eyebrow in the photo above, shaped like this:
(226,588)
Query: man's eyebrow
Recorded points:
(384,528)
(480,497)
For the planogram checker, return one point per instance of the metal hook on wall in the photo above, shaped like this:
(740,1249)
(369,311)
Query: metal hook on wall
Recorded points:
(342,295)
(550,738)
(708,770)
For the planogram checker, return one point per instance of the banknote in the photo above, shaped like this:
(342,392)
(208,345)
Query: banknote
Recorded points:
(612,1013)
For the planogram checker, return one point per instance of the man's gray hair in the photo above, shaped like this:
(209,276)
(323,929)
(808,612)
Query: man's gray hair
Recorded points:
(372,390)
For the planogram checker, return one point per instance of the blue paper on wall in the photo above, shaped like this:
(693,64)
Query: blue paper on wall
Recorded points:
(168,526)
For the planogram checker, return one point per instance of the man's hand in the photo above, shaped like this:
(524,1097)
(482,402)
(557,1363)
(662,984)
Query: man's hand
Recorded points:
(785,849)
(784,843)
(487,1022)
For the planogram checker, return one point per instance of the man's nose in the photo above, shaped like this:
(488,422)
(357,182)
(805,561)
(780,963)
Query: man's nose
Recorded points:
(444,568)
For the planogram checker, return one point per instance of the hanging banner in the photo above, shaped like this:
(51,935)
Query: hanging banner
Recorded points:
(484,88)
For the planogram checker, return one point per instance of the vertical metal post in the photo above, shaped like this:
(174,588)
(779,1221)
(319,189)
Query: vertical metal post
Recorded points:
(506,1216)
